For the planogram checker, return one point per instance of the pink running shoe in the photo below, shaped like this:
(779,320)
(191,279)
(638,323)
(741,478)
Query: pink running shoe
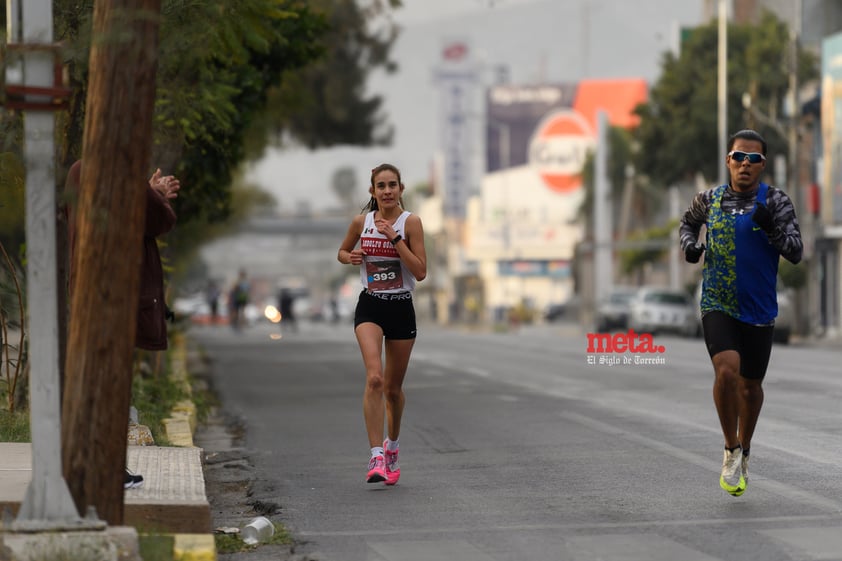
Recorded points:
(376,470)
(393,470)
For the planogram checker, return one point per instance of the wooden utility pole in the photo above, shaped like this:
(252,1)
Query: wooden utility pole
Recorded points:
(107,256)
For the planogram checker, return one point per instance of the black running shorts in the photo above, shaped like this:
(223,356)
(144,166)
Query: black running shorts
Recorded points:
(752,342)
(394,313)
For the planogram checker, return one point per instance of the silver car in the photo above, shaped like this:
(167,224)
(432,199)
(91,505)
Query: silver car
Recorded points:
(613,312)
(655,310)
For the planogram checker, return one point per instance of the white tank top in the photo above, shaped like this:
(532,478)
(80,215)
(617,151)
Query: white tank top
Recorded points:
(382,269)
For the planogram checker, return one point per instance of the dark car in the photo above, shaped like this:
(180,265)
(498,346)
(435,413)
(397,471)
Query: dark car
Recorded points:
(554,312)
(613,312)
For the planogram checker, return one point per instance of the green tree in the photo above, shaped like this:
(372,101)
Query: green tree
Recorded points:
(619,157)
(218,61)
(325,103)
(678,130)
(234,74)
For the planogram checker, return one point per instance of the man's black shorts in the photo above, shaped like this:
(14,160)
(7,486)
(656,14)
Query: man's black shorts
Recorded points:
(395,315)
(752,342)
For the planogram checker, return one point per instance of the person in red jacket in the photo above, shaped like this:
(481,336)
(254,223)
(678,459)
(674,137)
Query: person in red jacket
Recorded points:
(152,311)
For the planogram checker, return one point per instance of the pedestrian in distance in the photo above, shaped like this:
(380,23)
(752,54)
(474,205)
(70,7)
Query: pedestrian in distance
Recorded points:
(391,258)
(750,225)
(151,332)
(212,295)
(238,299)
(285,306)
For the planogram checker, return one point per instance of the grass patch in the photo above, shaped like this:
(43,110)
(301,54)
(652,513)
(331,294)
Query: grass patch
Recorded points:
(233,543)
(154,397)
(204,401)
(155,547)
(14,427)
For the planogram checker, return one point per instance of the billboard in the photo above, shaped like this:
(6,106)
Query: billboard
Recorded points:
(831,116)
(551,128)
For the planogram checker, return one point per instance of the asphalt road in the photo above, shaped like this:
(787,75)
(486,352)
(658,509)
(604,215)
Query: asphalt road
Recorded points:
(515,448)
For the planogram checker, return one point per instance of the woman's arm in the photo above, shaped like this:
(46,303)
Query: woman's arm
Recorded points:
(347,255)
(411,250)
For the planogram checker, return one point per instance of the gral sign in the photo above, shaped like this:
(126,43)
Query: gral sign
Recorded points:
(559,148)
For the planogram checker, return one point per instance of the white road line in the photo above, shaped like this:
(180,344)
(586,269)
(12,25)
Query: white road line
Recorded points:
(770,485)
(600,526)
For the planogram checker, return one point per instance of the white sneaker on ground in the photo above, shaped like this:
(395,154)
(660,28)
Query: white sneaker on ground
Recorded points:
(731,479)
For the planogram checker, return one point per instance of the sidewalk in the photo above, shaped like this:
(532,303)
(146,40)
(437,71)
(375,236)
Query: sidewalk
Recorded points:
(172,498)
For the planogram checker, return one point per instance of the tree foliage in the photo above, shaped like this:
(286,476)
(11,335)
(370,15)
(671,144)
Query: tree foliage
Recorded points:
(325,103)
(644,200)
(234,75)
(217,63)
(678,130)
(632,260)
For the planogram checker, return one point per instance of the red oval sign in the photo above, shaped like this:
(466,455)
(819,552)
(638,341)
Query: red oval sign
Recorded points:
(558,149)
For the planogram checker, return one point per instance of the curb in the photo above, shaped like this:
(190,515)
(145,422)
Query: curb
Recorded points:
(194,547)
(179,428)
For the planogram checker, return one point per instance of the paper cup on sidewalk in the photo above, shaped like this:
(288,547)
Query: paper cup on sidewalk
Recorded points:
(258,530)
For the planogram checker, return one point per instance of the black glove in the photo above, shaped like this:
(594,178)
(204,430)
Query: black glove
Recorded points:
(169,314)
(763,218)
(694,252)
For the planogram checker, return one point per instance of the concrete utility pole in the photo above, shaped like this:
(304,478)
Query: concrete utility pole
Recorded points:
(722,89)
(47,503)
(808,303)
(603,252)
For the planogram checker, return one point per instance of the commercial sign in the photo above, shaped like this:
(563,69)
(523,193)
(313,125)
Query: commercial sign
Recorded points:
(551,128)
(559,148)
(456,77)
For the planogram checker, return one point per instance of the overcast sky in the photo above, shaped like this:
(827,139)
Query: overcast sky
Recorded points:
(540,41)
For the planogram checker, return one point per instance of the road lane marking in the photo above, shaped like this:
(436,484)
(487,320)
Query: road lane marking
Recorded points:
(575,526)
(765,483)
(638,547)
(819,543)
(425,550)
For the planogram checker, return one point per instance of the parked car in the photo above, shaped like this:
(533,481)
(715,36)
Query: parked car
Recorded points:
(654,310)
(554,312)
(613,312)
(784,323)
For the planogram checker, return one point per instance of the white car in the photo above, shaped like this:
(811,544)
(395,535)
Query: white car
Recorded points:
(655,310)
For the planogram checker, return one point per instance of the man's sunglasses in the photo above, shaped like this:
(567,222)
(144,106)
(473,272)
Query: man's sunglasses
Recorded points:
(753,157)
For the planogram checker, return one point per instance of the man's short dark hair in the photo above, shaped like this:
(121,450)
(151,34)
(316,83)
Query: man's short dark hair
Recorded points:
(747,134)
